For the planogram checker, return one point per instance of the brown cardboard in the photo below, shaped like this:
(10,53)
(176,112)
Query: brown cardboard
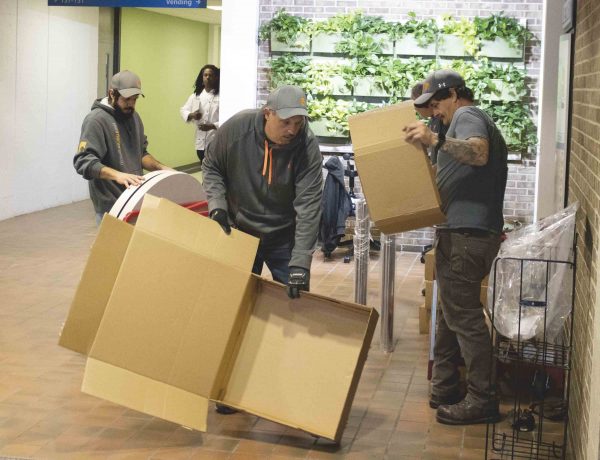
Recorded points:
(186,322)
(424,319)
(329,338)
(98,278)
(484,290)
(428,294)
(430,265)
(396,177)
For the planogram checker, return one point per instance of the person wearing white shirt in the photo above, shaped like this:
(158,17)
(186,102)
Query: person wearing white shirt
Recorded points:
(202,107)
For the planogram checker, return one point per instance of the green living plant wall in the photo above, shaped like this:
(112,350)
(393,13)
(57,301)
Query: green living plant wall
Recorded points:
(361,57)
(167,53)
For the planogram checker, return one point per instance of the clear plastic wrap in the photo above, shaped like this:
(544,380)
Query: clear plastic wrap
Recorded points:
(530,287)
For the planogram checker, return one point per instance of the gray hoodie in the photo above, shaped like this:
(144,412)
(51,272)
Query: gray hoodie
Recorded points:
(108,139)
(233,180)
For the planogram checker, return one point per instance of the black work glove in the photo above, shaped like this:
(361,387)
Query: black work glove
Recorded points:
(220,216)
(299,280)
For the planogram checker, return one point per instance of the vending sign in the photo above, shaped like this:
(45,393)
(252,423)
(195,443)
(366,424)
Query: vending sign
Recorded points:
(132,3)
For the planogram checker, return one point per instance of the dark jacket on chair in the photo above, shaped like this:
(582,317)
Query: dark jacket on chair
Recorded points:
(336,206)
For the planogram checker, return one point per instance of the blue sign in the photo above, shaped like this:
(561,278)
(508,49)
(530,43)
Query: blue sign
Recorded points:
(132,3)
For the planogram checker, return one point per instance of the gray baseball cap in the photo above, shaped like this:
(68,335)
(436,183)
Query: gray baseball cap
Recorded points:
(436,81)
(126,83)
(287,101)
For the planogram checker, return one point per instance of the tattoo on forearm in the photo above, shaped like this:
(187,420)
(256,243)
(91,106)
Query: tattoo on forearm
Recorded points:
(472,152)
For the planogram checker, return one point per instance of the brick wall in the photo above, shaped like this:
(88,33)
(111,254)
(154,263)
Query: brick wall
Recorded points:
(520,192)
(397,10)
(584,186)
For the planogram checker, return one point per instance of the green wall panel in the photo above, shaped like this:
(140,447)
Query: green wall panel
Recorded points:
(167,53)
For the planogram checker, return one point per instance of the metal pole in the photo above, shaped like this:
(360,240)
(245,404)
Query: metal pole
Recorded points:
(388,247)
(361,252)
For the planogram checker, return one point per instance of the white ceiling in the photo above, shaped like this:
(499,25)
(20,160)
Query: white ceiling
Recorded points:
(193,14)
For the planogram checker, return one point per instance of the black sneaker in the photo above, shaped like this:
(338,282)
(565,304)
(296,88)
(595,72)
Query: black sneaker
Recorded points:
(453,398)
(465,413)
(225,410)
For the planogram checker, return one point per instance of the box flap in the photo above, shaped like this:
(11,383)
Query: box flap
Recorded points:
(300,360)
(170,317)
(381,125)
(158,399)
(424,218)
(199,234)
(396,178)
(95,286)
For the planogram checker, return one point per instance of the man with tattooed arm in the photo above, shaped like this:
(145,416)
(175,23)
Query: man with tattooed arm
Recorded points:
(471,178)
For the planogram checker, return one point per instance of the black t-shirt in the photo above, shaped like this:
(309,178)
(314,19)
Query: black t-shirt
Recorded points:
(473,196)
(436,125)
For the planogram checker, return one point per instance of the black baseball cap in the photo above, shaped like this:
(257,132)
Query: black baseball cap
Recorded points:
(436,81)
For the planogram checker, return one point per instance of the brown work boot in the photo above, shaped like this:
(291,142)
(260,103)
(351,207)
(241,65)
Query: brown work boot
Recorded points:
(446,400)
(466,413)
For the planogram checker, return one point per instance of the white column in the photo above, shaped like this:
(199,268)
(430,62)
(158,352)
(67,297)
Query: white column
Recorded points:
(546,159)
(214,44)
(239,56)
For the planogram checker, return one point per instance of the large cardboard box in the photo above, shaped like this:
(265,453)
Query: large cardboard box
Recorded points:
(171,317)
(396,177)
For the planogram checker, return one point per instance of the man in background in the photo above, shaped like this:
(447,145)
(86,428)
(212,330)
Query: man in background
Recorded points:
(112,150)
(433,122)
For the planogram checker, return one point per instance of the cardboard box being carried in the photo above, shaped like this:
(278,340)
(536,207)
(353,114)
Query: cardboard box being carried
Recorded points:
(171,317)
(396,177)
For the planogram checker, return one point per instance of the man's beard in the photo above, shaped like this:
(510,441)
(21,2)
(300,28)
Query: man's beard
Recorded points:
(122,115)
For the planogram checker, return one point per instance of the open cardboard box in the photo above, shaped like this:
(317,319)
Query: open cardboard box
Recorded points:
(171,317)
(396,177)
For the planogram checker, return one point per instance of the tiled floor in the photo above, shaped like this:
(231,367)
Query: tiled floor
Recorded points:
(43,414)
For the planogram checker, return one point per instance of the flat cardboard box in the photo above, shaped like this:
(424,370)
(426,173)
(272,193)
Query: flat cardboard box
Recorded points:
(171,317)
(396,177)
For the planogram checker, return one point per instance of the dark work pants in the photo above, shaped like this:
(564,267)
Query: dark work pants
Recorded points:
(276,253)
(462,261)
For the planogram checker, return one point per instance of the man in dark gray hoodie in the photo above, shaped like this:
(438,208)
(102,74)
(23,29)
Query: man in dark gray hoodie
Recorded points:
(112,150)
(263,175)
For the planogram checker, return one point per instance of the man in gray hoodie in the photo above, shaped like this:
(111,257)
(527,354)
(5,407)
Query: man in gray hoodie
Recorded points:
(113,147)
(263,175)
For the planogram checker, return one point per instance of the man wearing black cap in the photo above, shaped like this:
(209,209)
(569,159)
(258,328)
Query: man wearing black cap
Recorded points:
(471,178)
(262,174)
(113,147)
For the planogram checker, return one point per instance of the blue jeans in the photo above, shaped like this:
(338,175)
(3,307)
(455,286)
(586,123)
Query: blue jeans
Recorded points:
(276,254)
